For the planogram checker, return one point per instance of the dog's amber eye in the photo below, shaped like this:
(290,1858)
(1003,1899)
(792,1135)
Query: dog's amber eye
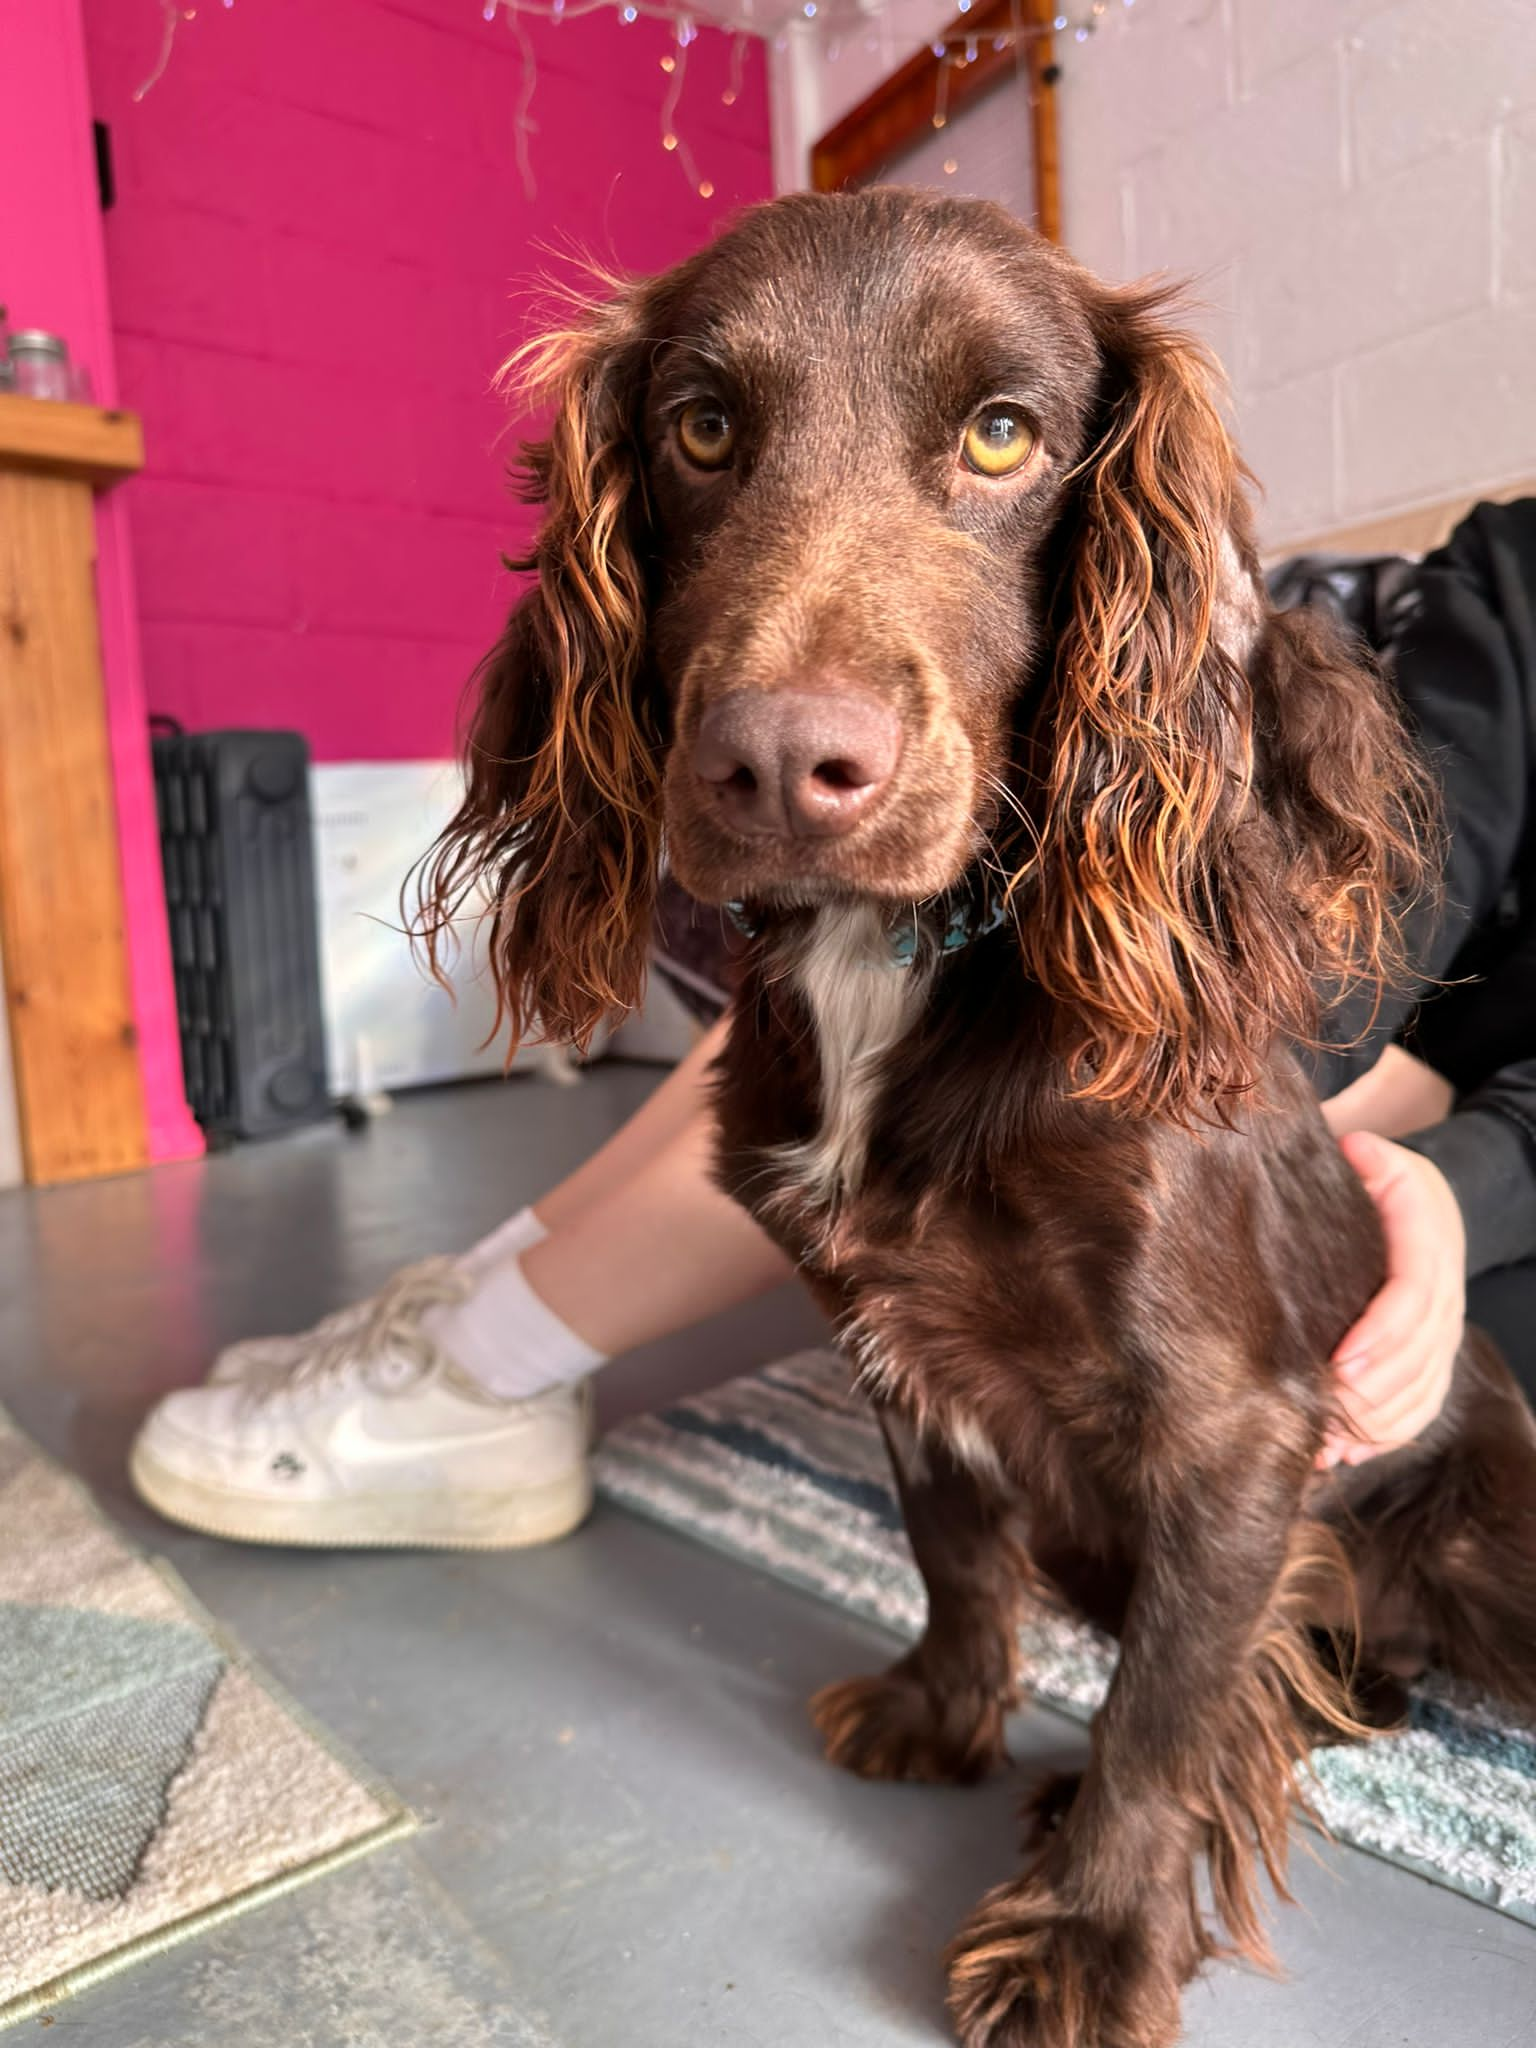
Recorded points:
(705,433)
(998,441)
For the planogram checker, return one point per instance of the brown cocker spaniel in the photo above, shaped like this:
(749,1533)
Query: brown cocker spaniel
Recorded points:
(895,584)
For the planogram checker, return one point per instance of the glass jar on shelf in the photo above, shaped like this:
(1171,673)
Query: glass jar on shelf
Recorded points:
(40,366)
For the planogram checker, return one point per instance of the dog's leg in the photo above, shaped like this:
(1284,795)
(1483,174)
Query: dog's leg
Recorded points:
(1445,1539)
(1193,1750)
(938,1713)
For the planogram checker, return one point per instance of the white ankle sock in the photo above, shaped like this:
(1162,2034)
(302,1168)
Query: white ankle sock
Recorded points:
(506,1337)
(520,1233)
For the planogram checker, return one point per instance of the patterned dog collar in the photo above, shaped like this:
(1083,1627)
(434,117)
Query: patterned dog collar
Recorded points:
(967,921)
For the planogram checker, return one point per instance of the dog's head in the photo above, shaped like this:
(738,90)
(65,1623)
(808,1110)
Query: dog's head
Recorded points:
(885,549)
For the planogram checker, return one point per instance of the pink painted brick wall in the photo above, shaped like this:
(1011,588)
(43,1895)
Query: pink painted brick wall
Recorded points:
(321,250)
(53,273)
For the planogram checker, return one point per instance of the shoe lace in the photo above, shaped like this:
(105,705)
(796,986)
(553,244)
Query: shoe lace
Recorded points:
(390,1330)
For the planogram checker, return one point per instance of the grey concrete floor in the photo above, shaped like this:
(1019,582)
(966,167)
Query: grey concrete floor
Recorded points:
(631,1840)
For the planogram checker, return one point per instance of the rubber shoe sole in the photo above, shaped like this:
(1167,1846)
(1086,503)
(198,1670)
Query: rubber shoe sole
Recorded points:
(384,1521)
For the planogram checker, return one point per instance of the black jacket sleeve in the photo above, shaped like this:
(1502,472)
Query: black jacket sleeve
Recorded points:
(1462,647)
(1487,1151)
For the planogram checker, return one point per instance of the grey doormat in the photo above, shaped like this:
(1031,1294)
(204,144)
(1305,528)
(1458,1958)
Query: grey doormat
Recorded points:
(786,1470)
(151,1782)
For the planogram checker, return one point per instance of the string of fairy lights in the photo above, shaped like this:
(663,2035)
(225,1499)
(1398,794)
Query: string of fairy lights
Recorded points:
(954,50)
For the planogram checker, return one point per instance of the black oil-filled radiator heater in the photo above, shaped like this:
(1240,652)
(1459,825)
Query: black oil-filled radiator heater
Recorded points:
(236,840)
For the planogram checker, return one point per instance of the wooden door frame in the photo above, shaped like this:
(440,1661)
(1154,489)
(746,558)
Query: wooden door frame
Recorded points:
(897,113)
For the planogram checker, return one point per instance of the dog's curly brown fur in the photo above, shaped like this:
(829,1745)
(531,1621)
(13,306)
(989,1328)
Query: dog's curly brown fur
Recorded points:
(1065,1189)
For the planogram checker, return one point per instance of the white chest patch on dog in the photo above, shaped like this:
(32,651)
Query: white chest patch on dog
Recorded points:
(862,1005)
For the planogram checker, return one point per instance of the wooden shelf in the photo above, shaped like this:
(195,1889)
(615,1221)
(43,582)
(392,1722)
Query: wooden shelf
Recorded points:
(68,996)
(47,437)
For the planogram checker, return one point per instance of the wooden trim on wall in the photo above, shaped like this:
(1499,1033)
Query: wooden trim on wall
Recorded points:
(899,111)
(74,1047)
(1045,127)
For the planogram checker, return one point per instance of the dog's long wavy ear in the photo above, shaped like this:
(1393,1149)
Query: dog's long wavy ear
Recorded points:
(560,824)
(1229,803)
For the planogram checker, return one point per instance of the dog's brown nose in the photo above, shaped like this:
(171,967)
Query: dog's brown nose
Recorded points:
(796,764)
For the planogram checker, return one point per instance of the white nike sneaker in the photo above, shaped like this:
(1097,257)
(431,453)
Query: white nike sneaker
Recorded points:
(519,1233)
(265,1356)
(369,1437)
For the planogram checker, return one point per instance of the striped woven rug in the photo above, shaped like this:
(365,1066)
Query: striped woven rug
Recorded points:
(786,1471)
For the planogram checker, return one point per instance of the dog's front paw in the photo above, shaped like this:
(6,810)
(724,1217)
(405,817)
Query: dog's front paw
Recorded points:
(896,1726)
(1027,1972)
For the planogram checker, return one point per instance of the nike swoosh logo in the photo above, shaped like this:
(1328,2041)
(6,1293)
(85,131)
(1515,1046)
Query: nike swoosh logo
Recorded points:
(351,1442)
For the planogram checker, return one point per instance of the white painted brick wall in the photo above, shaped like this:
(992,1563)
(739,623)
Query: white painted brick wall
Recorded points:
(1447,410)
(1289,441)
(1351,187)
(1267,35)
(1359,218)
(1419,242)
(1196,199)
(1427,73)
(1515,210)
